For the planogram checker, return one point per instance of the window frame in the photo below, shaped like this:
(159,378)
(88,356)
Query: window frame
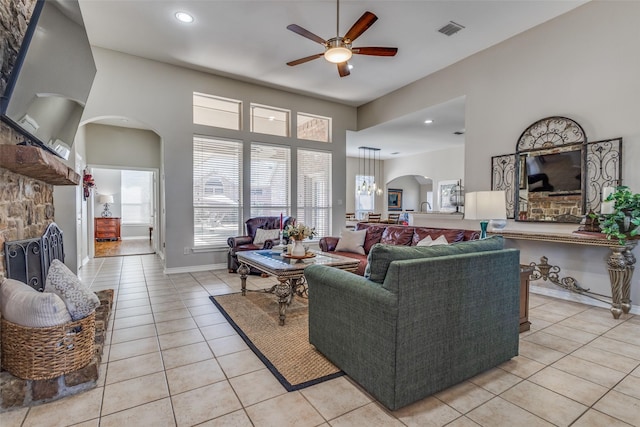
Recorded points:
(252,125)
(315,116)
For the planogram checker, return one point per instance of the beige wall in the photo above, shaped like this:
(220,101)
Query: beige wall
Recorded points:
(161,96)
(581,65)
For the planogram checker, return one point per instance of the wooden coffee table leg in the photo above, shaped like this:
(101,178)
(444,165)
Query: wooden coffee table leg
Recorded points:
(244,271)
(283,292)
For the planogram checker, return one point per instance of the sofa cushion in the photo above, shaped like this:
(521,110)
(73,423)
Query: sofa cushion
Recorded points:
(23,305)
(374,234)
(381,256)
(452,235)
(263,235)
(397,236)
(360,257)
(351,241)
(79,299)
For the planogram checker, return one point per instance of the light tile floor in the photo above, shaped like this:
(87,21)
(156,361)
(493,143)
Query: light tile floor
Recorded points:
(172,359)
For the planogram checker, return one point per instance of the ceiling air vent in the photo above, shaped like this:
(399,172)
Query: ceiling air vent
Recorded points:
(450,29)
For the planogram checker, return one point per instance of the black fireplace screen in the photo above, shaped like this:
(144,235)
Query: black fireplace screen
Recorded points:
(28,260)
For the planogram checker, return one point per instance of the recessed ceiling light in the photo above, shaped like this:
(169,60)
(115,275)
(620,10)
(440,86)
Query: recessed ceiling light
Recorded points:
(428,121)
(350,67)
(184,17)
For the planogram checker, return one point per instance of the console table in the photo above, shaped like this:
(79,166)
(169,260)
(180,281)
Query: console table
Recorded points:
(620,264)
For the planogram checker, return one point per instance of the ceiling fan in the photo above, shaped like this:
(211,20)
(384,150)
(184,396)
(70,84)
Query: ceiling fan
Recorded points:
(338,50)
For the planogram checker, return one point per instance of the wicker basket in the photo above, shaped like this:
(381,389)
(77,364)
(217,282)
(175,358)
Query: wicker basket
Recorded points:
(44,353)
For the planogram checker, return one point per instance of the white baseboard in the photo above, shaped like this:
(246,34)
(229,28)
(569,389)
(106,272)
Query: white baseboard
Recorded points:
(194,268)
(135,237)
(570,296)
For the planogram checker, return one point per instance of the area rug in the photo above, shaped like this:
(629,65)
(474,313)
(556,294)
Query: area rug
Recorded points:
(285,350)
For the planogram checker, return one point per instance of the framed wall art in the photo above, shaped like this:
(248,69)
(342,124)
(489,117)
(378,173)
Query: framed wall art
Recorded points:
(394,199)
(445,191)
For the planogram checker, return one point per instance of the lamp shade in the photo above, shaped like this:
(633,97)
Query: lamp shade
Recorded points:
(105,198)
(485,205)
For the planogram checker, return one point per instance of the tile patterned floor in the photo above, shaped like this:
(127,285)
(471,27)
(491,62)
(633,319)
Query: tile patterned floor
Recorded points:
(171,359)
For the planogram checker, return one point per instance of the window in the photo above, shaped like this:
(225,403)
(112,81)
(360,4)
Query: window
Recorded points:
(364,202)
(314,190)
(314,128)
(269,120)
(217,190)
(215,111)
(137,190)
(270,178)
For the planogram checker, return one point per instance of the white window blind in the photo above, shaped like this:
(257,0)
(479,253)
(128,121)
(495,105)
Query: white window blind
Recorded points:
(365,203)
(216,111)
(217,190)
(314,190)
(136,192)
(270,180)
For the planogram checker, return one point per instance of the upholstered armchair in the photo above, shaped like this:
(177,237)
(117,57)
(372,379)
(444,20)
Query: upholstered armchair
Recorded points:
(248,242)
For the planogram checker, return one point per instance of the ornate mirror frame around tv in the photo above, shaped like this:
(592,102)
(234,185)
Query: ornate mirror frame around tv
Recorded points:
(556,137)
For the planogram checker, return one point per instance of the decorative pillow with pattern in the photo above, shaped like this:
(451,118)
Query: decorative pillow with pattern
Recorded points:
(79,299)
(263,235)
(23,305)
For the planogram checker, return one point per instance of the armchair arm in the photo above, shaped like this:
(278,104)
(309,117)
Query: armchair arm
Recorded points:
(234,242)
(328,244)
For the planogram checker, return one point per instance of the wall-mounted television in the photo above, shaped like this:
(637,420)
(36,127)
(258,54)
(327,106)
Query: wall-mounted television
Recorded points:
(51,79)
(555,173)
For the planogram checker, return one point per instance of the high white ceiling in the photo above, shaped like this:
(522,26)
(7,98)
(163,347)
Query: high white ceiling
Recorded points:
(248,40)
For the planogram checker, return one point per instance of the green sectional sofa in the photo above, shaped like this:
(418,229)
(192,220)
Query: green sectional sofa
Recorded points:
(433,317)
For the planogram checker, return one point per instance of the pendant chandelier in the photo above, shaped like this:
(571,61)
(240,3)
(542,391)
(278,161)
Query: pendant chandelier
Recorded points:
(367,156)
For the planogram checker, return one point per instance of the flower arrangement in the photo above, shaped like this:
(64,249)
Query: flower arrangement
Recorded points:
(299,231)
(87,183)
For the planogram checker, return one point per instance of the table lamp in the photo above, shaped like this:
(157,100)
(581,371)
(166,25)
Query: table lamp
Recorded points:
(485,206)
(105,199)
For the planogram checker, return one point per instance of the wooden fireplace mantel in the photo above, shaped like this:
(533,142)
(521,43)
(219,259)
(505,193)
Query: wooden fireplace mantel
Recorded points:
(38,164)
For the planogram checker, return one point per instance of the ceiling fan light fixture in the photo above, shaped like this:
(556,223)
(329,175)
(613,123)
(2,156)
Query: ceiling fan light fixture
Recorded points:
(337,51)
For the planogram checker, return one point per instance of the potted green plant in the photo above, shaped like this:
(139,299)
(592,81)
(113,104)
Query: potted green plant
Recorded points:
(624,222)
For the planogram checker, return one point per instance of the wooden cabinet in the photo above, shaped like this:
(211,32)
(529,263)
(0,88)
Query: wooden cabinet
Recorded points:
(525,272)
(106,228)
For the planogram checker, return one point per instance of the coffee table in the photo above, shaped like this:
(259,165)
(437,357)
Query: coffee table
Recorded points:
(288,271)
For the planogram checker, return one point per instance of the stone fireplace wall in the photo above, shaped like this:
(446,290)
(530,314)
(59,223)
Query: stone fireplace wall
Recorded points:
(26,204)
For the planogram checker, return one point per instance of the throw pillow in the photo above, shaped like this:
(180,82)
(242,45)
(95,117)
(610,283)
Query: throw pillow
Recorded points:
(351,241)
(425,242)
(382,255)
(263,235)
(23,305)
(79,299)
(428,241)
(441,240)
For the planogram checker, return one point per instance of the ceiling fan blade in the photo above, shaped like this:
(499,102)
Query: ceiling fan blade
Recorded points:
(366,20)
(375,51)
(306,33)
(305,59)
(343,69)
